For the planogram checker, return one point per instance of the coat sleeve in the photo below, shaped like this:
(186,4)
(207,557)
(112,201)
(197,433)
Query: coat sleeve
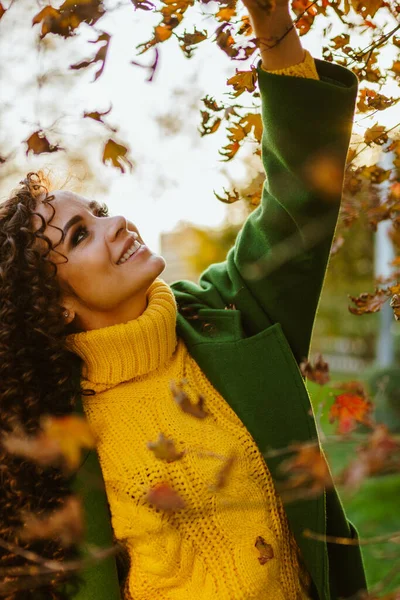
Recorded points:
(275,271)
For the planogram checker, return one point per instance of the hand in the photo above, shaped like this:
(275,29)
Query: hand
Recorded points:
(277,37)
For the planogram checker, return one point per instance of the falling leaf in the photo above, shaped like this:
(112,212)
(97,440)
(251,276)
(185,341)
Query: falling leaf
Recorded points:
(72,433)
(164,497)
(206,127)
(369,303)
(183,401)
(117,154)
(307,471)
(375,174)
(211,104)
(65,20)
(378,455)
(376,134)
(252,123)
(2,10)
(319,373)
(243,81)
(353,386)
(245,28)
(65,524)
(229,197)
(348,410)
(59,441)
(223,474)
(100,56)
(266,550)
(396,68)
(164,449)
(38,143)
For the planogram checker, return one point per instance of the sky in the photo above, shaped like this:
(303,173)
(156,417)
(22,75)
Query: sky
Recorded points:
(174,176)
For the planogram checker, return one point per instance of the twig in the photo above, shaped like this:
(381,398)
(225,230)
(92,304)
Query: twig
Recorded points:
(351,541)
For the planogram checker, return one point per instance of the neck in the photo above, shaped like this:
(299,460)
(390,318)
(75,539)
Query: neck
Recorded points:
(88,320)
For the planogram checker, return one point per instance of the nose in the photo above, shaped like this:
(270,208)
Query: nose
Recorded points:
(115,226)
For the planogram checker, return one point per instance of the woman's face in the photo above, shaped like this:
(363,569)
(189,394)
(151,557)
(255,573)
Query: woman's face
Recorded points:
(98,288)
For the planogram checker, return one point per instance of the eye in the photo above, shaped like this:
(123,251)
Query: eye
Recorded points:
(80,234)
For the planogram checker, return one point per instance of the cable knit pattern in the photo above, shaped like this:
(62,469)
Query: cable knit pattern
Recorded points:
(207,549)
(306,68)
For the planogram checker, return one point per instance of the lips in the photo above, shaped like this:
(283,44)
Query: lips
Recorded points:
(128,244)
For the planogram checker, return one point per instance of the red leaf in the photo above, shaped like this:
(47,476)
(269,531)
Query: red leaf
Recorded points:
(164,497)
(350,409)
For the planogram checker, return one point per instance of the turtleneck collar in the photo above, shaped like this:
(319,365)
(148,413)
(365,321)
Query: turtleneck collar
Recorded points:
(121,352)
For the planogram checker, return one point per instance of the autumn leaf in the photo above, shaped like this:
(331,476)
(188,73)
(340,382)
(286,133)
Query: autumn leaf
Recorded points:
(190,39)
(65,20)
(366,8)
(117,154)
(378,455)
(223,474)
(319,373)
(369,303)
(59,442)
(396,68)
(266,550)
(211,104)
(65,524)
(100,56)
(243,81)
(376,134)
(2,10)
(72,433)
(307,472)
(38,143)
(350,409)
(340,40)
(226,13)
(229,197)
(252,123)
(245,27)
(98,116)
(164,449)
(206,126)
(375,174)
(162,496)
(225,41)
(395,304)
(353,386)
(183,401)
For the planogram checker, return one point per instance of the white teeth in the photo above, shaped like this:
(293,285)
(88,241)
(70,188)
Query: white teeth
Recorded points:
(130,251)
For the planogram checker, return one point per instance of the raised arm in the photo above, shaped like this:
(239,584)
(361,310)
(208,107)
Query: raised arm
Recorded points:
(275,271)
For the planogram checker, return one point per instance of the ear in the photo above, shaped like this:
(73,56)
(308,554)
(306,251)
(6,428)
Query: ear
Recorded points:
(68,313)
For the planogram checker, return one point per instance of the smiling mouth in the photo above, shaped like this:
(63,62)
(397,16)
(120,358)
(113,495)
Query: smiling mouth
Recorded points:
(131,250)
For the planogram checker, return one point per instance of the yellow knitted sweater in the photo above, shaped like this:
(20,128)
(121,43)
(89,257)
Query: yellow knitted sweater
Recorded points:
(206,549)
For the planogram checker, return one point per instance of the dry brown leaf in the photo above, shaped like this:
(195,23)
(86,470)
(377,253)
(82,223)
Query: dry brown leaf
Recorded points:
(369,303)
(38,144)
(117,155)
(318,373)
(65,524)
(266,550)
(184,403)
(164,449)
(243,81)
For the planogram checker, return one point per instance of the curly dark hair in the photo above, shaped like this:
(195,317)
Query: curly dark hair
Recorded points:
(38,376)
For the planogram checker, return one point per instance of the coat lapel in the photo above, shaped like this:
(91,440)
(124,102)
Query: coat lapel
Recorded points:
(259,378)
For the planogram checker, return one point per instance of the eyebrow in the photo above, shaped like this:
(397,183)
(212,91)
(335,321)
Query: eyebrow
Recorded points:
(72,221)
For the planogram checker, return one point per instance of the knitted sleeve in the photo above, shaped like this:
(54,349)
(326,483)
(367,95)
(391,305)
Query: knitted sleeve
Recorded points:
(306,68)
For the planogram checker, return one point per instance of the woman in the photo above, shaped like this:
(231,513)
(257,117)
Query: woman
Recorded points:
(227,348)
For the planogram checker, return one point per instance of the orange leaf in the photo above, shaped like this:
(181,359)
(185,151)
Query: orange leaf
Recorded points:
(38,143)
(252,122)
(376,134)
(367,8)
(266,550)
(226,13)
(72,433)
(308,470)
(2,10)
(164,497)
(162,33)
(369,303)
(350,409)
(319,373)
(243,81)
(69,16)
(164,449)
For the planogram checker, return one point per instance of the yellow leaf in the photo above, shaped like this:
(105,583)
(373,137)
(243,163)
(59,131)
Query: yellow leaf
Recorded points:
(376,134)
(243,81)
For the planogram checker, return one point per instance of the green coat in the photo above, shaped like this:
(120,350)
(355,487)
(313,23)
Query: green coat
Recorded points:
(250,352)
